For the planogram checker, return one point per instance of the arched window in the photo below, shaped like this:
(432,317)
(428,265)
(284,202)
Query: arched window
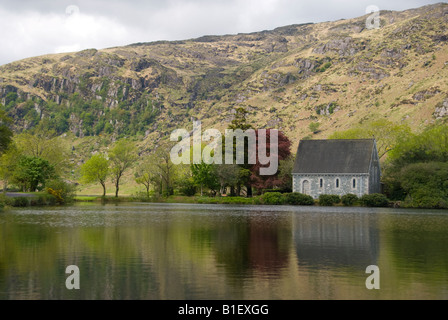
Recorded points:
(338,183)
(354,183)
(321,183)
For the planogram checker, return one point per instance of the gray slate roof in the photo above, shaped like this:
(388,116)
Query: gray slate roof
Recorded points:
(334,156)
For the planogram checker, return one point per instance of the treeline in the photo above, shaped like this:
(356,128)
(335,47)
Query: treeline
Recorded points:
(35,161)
(414,164)
(39,160)
(83,118)
(417,169)
(161,178)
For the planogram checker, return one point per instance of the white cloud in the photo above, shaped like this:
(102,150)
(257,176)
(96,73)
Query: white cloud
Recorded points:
(30,28)
(30,34)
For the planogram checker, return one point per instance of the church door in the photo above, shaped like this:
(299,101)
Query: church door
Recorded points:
(306,189)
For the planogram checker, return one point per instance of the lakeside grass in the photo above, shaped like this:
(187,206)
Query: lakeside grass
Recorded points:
(171,199)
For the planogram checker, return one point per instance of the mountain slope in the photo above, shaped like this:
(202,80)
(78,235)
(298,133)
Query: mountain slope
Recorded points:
(337,73)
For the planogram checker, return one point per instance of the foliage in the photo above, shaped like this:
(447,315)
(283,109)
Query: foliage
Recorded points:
(329,200)
(32,173)
(349,199)
(273,198)
(122,157)
(229,175)
(62,191)
(151,173)
(188,187)
(5,201)
(21,202)
(282,151)
(299,199)
(5,131)
(374,200)
(96,169)
(416,170)
(205,175)
(8,164)
(243,175)
(386,133)
(426,184)
(45,145)
(314,127)
(166,173)
(240,120)
(285,169)
(430,145)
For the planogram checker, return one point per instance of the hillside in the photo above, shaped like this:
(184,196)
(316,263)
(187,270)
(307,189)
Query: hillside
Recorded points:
(336,73)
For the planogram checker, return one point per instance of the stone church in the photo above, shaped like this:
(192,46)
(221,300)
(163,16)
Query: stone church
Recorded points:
(337,167)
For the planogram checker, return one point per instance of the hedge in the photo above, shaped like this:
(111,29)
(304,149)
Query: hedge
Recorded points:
(374,200)
(299,199)
(329,200)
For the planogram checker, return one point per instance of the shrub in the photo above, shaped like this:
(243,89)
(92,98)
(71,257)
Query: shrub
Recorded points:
(281,190)
(374,200)
(188,188)
(349,199)
(62,191)
(426,199)
(329,200)
(299,199)
(20,202)
(5,201)
(274,198)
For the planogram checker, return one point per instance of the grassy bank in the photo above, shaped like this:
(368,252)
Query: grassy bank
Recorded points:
(43,199)
(171,199)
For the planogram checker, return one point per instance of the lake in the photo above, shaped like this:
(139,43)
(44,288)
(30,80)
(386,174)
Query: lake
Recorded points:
(195,252)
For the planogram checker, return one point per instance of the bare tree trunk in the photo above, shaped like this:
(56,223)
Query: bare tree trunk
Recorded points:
(104,188)
(117,187)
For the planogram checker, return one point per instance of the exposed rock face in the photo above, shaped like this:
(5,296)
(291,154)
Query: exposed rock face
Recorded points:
(441,110)
(344,47)
(302,67)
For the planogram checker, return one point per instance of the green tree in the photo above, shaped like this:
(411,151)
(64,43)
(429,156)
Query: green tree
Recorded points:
(386,133)
(44,144)
(5,131)
(285,169)
(122,157)
(429,145)
(148,174)
(96,169)
(240,122)
(167,171)
(205,176)
(314,127)
(8,165)
(229,176)
(32,173)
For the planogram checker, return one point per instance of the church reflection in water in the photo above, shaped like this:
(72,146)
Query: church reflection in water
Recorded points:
(336,240)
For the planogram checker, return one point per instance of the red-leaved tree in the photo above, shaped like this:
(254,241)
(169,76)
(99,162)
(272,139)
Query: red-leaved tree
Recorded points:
(283,150)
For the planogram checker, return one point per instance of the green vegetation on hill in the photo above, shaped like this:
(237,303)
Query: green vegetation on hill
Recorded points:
(327,80)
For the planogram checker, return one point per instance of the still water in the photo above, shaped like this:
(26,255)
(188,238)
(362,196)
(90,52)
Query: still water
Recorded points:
(184,251)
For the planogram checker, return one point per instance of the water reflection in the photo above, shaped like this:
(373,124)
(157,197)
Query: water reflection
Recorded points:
(140,251)
(336,240)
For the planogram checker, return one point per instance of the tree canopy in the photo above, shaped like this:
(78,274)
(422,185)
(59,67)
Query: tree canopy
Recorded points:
(386,133)
(122,157)
(96,169)
(5,132)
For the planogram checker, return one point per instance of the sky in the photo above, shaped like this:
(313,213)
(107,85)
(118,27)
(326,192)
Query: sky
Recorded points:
(31,28)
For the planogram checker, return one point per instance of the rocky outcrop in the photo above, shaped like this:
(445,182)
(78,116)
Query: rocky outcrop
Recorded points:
(441,110)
